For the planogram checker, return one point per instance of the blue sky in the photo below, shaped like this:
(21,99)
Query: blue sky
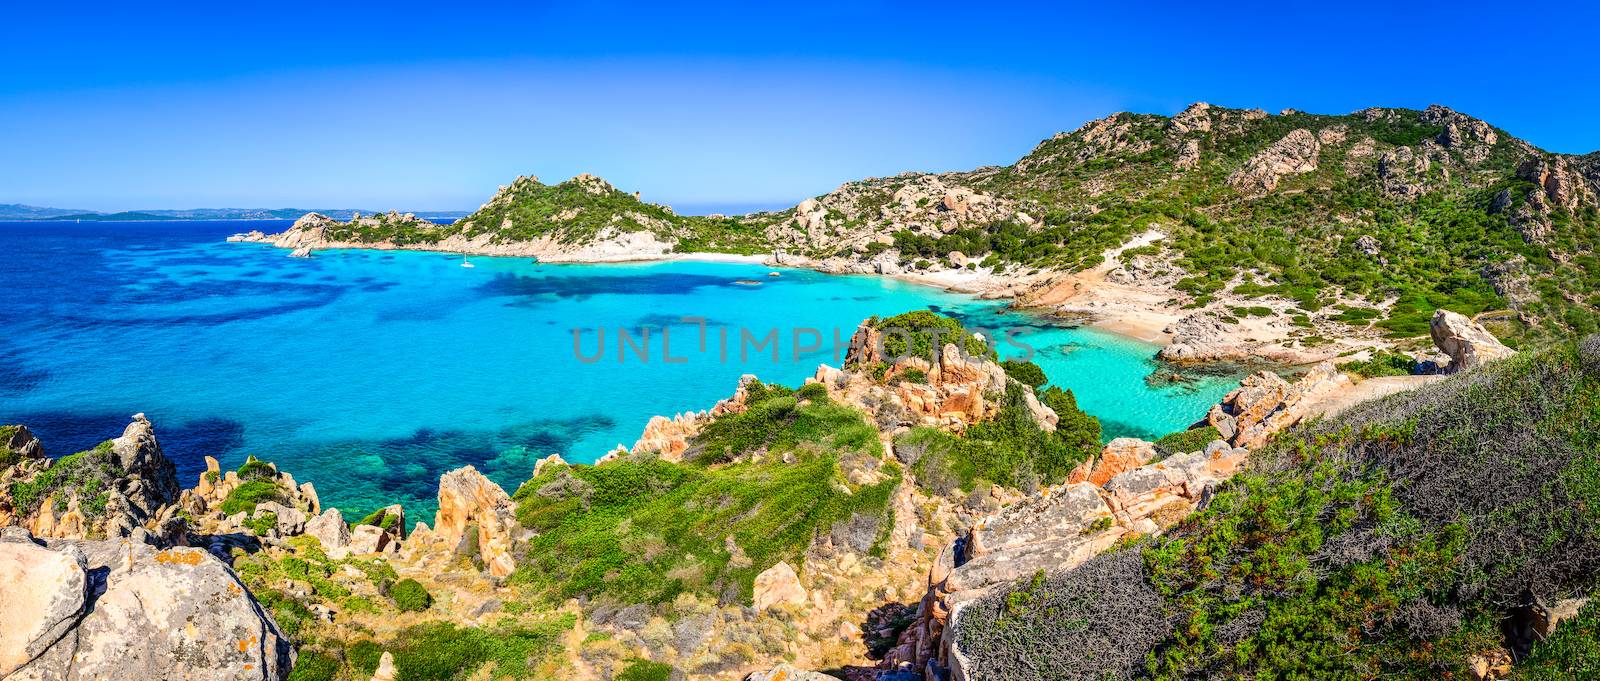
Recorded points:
(431,106)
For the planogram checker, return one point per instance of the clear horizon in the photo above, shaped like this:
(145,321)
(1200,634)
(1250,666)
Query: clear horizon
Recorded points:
(427,108)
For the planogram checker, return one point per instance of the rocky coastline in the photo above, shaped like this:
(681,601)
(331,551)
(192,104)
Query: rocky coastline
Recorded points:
(114,565)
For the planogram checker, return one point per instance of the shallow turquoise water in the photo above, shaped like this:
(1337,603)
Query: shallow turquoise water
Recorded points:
(370,373)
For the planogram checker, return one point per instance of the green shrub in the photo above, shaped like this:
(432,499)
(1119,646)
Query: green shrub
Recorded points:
(922,328)
(1027,373)
(261,523)
(645,670)
(243,499)
(86,475)
(256,469)
(442,651)
(812,391)
(311,665)
(410,596)
(1382,364)
(1185,441)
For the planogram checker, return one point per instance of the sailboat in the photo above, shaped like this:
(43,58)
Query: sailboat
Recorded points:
(465,262)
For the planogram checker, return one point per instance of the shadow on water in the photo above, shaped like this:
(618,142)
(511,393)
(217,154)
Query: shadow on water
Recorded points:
(360,475)
(584,286)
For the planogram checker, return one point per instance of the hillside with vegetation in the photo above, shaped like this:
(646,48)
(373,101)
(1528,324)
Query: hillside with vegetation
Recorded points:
(1361,223)
(1432,534)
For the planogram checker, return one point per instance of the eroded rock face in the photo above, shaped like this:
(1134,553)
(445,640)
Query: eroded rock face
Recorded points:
(119,609)
(1466,342)
(468,500)
(951,393)
(1295,154)
(1060,528)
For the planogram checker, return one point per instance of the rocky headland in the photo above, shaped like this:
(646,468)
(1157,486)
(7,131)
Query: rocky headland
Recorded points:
(847,525)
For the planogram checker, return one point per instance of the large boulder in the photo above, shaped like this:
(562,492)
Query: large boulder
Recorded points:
(332,532)
(1466,342)
(778,585)
(788,672)
(43,598)
(120,609)
(1120,455)
(467,499)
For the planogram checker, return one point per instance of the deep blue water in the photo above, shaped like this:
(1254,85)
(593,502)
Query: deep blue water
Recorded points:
(371,372)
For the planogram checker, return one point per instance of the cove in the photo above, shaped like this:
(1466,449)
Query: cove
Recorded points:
(370,372)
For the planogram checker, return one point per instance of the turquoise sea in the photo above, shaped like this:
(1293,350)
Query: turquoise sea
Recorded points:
(370,373)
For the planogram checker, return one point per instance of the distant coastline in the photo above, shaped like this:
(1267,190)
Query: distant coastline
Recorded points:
(26,213)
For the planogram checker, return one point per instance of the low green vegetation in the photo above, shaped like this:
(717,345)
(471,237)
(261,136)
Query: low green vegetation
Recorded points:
(8,458)
(645,670)
(256,469)
(443,651)
(1010,450)
(381,518)
(1185,441)
(86,476)
(760,487)
(1370,545)
(243,499)
(410,596)
(1026,373)
(1382,364)
(269,578)
(921,333)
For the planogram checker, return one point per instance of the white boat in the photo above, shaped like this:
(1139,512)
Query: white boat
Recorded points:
(466,263)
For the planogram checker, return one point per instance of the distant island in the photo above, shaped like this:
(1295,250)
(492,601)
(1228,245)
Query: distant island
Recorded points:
(17,211)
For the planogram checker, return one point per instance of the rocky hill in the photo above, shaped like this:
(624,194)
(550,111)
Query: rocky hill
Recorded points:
(1293,234)
(922,511)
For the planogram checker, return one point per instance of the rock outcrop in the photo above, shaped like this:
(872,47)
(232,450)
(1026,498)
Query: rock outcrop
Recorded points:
(1265,404)
(294,504)
(119,609)
(1059,528)
(471,504)
(331,531)
(778,585)
(1295,154)
(669,438)
(21,444)
(1466,342)
(952,393)
(123,486)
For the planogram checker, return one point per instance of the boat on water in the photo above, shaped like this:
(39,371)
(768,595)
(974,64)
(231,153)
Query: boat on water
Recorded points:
(466,263)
